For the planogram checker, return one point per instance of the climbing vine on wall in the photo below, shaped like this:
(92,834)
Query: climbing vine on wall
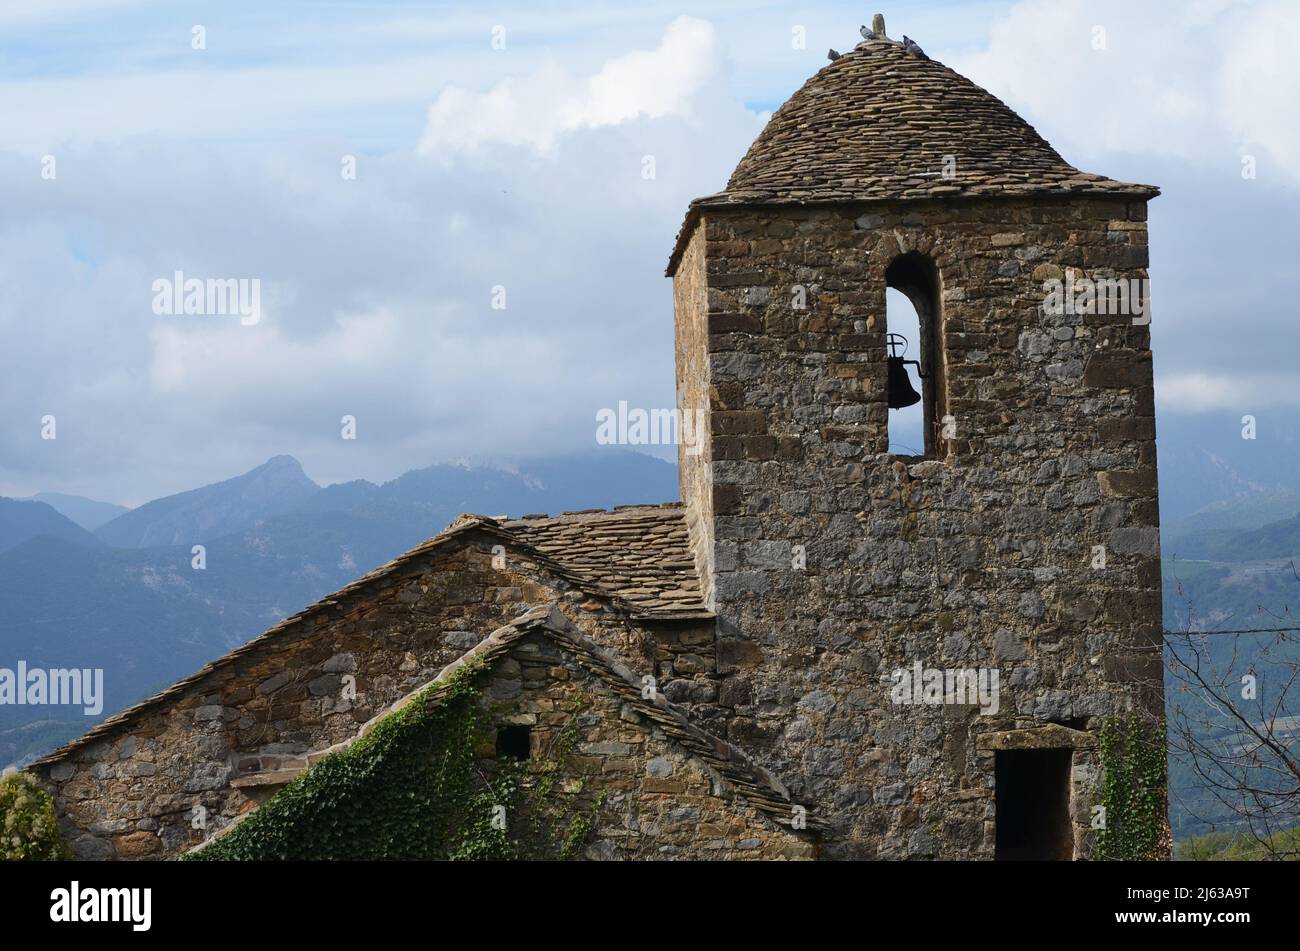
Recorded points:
(1133,790)
(418,786)
(28,829)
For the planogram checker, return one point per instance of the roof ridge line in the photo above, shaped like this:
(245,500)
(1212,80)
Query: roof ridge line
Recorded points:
(729,754)
(731,762)
(596,511)
(463,525)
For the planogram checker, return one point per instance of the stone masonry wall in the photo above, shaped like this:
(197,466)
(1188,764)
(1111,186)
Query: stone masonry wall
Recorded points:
(982,558)
(134,795)
(690,302)
(661,802)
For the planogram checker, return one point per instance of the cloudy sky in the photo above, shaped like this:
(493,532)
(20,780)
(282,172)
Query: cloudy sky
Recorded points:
(503,147)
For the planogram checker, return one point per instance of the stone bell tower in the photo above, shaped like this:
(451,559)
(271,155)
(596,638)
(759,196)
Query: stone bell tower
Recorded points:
(924,645)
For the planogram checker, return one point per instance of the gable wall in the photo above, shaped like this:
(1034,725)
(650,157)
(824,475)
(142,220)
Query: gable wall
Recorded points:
(134,795)
(660,801)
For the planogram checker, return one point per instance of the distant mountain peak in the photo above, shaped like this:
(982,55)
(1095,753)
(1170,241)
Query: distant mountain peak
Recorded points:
(88,513)
(279,462)
(277,486)
(23,520)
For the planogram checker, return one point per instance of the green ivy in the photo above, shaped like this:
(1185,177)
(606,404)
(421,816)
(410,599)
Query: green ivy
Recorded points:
(28,829)
(1133,790)
(420,785)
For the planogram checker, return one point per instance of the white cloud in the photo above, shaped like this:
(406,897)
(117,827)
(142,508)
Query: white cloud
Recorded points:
(1199,82)
(1179,93)
(1202,392)
(536,110)
(654,84)
(1195,392)
(375,292)
(1258,83)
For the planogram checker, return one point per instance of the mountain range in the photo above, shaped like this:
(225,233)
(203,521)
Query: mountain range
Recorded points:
(277,486)
(88,513)
(1230,541)
(23,520)
(127,599)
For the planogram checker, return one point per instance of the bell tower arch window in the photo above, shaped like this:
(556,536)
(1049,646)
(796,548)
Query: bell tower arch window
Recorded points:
(915,360)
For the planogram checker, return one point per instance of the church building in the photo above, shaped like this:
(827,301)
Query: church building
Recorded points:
(914,572)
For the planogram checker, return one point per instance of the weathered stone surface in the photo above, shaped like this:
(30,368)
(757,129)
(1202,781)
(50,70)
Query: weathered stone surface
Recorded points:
(1049,737)
(182,752)
(138,845)
(980,556)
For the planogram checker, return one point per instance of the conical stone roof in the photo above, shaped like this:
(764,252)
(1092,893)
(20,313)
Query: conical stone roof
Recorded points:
(881,123)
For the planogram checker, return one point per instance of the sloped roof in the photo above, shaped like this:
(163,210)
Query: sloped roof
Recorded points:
(640,552)
(664,594)
(743,776)
(878,124)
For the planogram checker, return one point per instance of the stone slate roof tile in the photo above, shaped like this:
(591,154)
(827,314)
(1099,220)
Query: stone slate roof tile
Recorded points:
(878,124)
(640,553)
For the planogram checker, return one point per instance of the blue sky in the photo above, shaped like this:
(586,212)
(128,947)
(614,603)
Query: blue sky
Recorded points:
(521,168)
(367,70)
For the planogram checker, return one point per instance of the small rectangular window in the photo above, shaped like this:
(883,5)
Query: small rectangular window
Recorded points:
(515,742)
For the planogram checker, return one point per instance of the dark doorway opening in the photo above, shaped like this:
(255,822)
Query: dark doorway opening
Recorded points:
(514,742)
(1033,805)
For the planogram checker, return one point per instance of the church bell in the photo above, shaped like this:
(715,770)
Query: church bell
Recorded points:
(900,391)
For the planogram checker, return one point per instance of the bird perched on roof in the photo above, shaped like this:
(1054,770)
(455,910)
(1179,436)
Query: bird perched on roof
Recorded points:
(868,34)
(909,44)
(832,55)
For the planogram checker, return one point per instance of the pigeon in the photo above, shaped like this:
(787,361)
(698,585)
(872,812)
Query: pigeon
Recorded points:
(868,34)
(832,55)
(909,44)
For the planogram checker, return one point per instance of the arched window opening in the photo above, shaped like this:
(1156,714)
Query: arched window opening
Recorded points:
(914,353)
